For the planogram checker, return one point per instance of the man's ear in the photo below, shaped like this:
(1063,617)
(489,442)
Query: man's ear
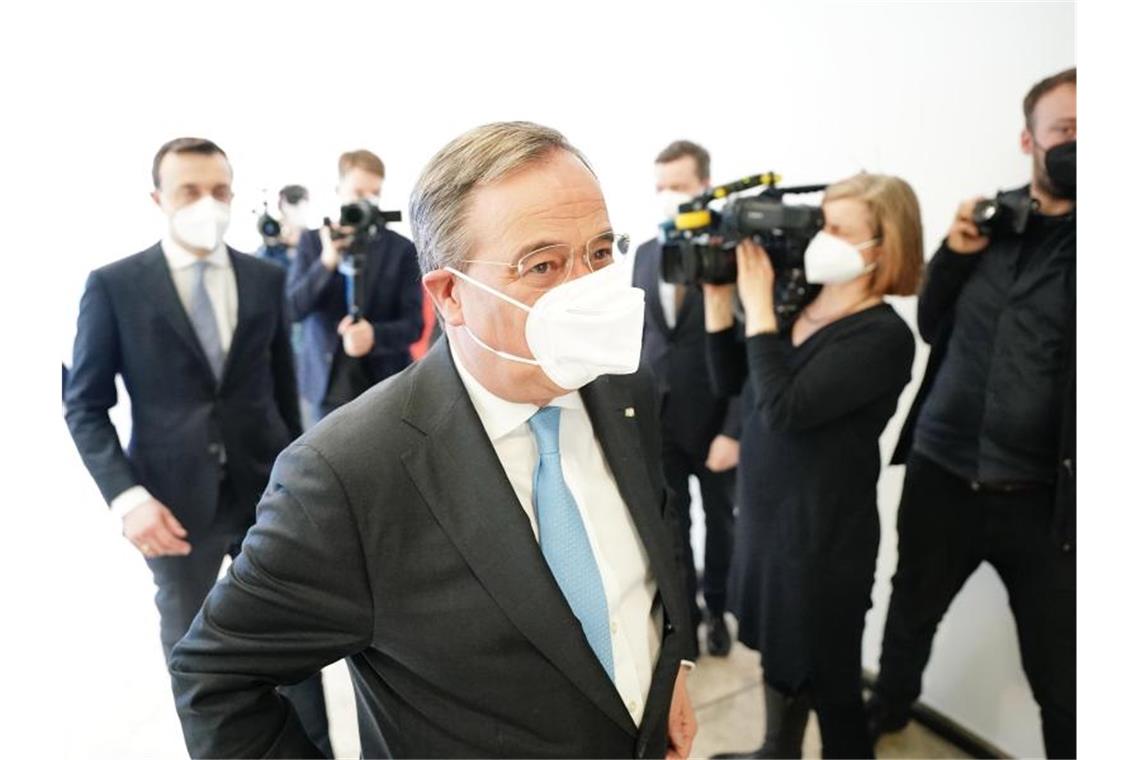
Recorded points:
(1026,141)
(156,197)
(440,286)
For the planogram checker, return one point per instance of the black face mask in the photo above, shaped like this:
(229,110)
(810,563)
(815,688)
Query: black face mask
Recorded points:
(1061,166)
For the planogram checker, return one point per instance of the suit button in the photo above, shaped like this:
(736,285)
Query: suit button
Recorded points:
(1066,547)
(213,448)
(975,485)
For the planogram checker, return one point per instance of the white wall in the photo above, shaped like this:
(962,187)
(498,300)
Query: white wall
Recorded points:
(930,92)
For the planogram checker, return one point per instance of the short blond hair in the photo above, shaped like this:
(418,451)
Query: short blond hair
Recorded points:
(895,216)
(440,199)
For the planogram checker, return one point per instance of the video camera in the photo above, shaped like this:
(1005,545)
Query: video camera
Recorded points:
(1006,213)
(363,220)
(699,244)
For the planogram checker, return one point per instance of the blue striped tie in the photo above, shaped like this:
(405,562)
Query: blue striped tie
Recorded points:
(564,542)
(205,322)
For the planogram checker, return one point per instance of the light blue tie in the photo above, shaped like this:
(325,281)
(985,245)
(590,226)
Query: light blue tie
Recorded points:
(564,542)
(205,322)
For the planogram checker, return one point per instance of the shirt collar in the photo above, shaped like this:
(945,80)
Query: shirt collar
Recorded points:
(499,416)
(177,257)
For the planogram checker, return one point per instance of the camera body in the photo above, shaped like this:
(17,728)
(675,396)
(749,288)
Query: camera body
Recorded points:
(363,221)
(268,227)
(698,246)
(1007,213)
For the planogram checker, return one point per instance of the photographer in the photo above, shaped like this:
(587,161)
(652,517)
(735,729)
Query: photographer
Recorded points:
(990,444)
(279,238)
(818,397)
(342,357)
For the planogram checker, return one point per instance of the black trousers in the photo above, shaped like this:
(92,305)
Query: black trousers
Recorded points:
(182,584)
(716,498)
(946,530)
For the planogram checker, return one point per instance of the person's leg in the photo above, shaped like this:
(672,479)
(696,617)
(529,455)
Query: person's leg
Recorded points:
(1042,583)
(182,584)
(785,722)
(677,468)
(717,499)
(939,547)
(836,684)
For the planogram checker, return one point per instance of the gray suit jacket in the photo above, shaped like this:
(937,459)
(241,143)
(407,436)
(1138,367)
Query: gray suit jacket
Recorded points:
(390,535)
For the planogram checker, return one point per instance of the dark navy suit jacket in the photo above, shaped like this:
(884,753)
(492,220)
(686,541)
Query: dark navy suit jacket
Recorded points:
(392,302)
(187,429)
(693,413)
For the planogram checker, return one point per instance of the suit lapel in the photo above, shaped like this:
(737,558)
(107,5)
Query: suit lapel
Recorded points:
(609,402)
(160,285)
(476,506)
(653,289)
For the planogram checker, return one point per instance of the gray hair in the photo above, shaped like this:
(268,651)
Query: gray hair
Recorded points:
(438,207)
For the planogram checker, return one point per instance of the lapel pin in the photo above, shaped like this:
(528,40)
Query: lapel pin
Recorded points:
(629,412)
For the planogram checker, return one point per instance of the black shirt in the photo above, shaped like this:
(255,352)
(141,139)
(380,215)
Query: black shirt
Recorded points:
(994,408)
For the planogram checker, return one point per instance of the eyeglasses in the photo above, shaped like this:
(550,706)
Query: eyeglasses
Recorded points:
(550,266)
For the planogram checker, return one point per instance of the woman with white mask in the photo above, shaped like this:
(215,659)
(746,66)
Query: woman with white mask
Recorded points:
(821,393)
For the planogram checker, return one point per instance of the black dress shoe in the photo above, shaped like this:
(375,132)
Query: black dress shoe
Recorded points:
(718,640)
(884,717)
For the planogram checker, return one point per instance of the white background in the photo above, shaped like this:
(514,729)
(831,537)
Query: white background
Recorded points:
(930,92)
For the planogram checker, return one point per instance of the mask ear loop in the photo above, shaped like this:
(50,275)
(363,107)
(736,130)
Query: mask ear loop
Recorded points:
(508,299)
(870,266)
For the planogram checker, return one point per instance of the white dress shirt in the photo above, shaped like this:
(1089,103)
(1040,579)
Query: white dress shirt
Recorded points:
(668,292)
(635,626)
(221,287)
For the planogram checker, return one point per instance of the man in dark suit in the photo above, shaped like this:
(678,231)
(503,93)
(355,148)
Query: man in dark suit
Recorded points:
(488,547)
(342,357)
(700,430)
(199,334)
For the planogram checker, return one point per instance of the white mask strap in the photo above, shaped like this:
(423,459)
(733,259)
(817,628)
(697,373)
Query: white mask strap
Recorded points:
(497,352)
(488,288)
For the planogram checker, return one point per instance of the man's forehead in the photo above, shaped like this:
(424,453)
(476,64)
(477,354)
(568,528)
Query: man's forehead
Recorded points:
(195,167)
(550,195)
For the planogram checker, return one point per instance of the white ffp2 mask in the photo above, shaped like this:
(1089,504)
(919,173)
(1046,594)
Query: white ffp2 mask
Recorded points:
(202,224)
(830,259)
(582,329)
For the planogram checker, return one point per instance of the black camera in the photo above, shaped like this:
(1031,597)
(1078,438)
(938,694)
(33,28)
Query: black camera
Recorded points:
(269,227)
(699,244)
(1007,213)
(363,221)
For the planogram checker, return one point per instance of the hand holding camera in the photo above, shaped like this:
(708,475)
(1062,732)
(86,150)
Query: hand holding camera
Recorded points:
(964,236)
(755,281)
(332,246)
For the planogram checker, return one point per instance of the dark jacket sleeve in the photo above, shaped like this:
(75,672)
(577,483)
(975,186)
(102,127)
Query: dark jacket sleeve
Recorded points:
(731,426)
(849,374)
(408,325)
(946,273)
(308,277)
(90,392)
(726,359)
(296,599)
(284,371)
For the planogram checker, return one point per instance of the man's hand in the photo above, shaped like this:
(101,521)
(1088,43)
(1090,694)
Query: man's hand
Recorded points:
(331,249)
(682,720)
(964,237)
(154,530)
(358,337)
(755,279)
(718,307)
(724,454)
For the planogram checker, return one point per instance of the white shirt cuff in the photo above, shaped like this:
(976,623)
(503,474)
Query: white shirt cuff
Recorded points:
(128,500)
(688,664)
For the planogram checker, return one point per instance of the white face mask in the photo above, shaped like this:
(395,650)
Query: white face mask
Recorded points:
(202,224)
(582,329)
(829,259)
(669,201)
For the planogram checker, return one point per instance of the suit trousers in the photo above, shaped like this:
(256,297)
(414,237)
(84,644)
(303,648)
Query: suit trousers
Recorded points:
(182,584)
(716,499)
(947,527)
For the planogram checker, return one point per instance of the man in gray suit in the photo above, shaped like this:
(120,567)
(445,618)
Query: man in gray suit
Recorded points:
(485,536)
